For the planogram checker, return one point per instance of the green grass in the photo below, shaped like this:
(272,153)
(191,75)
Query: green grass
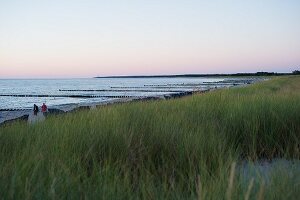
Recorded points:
(175,149)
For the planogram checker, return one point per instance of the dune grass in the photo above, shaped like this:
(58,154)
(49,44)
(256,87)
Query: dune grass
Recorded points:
(175,149)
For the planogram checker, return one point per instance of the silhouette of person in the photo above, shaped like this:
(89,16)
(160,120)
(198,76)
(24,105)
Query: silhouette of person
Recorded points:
(44,108)
(35,109)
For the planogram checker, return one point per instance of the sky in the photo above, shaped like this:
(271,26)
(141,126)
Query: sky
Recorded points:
(87,38)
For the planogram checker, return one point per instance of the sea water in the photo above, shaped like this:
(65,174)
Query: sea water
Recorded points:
(53,87)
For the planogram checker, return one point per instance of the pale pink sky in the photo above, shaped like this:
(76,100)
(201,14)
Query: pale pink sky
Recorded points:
(85,39)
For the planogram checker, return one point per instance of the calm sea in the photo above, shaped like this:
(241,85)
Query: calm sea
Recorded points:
(53,87)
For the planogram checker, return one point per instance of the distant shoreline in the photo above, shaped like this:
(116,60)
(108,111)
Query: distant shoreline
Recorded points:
(200,75)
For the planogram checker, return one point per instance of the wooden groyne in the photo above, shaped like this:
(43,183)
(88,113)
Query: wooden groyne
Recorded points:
(22,114)
(159,87)
(120,90)
(193,84)
(88,96)
(173,95)
(206,83)
(70,96)
(13,109)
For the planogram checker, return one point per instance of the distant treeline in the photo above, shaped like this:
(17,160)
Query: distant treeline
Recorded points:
(296,72)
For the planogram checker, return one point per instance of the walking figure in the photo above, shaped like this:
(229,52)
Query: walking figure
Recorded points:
(44,108)
(35,109)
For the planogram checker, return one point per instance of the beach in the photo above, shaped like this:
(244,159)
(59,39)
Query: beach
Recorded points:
(211,145)
(88,93)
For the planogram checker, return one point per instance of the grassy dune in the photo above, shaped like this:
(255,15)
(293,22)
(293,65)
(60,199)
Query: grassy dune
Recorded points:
(177,149)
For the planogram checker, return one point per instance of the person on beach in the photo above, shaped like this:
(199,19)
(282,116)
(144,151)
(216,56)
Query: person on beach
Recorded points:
(44,108)
(35,109)
(36,116)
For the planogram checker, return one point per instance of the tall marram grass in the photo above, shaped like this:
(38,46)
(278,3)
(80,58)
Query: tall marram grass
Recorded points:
(175,149)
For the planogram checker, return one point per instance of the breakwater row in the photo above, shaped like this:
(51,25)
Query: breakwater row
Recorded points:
(11,115)
(69,96)
(104,96)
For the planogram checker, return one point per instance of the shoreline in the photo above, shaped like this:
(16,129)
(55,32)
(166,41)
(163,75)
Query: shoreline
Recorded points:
(229,134)
(242,74)
(8,116)
(12,115)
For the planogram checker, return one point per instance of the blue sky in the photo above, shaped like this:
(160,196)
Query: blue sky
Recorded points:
(89,38)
